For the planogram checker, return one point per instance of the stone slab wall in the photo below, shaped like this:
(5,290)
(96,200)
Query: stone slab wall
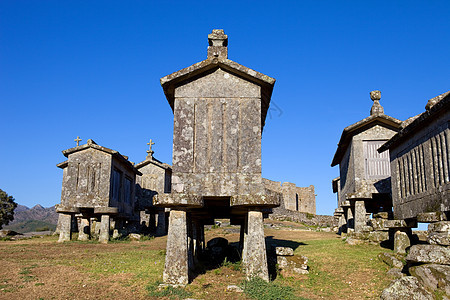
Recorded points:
(86,180)
(420,171)
(217,136)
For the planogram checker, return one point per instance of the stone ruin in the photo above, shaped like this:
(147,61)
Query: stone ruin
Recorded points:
(219,110)
(294,198)
(364,185)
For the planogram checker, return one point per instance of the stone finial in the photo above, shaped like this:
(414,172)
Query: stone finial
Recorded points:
(150,151)
(376,109)
(218,42)
(435,100)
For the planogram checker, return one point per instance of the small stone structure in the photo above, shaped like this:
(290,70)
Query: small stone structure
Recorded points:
(98,184)
(364,186)
(295,198)
(219,110)
(156,179)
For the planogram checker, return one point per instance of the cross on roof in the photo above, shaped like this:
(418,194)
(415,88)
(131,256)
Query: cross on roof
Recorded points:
(78,140)
(150,151)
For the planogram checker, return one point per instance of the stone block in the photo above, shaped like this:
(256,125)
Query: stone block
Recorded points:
(396,272)
(378,224)
(293,264)
(429,254)
(433,276)
(134,237)
(381,215)
(439,238)
(395,224)
(401,242)
(391,260)
(378,236)
(406,288)
(442,226)
(431,217)
(284,251)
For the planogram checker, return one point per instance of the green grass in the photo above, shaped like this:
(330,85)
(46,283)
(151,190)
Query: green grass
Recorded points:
(154,290)
(258,289)
(143,263)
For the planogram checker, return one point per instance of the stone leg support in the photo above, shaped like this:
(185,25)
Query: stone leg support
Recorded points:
(360,215)
(255,256)
(104,229)
(350,220)
(84,230)
(65,230)
(161,226)
(176,266)
(342,224)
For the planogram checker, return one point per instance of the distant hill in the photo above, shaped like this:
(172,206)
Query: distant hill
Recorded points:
(36,218)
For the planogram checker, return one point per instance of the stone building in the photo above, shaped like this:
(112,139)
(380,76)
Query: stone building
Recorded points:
(364,185)
(219,110)
(156,179)
(294,198)
(420,164)
(98,183)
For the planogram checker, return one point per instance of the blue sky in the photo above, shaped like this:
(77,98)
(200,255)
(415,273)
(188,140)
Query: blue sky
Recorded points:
(92,69)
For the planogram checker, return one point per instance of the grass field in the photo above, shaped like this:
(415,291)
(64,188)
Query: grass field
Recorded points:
(40,268)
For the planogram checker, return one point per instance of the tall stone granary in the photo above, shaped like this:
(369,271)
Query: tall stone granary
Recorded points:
(219,110)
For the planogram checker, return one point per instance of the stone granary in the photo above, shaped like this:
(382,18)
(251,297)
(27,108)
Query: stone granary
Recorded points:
(219,111)
(364,183)
(97,183)
(294,198)
(155,179)
(420,163)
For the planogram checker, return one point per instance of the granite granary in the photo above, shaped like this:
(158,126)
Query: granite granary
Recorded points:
(364,185)
(219,111)
(98,189)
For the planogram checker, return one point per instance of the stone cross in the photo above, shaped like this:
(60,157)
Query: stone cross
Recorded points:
(78,140)
(150,151)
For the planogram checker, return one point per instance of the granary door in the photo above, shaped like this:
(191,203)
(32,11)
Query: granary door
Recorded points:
(376,165)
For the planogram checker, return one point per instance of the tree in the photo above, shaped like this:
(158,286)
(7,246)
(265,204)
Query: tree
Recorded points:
(7,206)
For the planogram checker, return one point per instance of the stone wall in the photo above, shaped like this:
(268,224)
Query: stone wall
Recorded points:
(295,198)
(282,214)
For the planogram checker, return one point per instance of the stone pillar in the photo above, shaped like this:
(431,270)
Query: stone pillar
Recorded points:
(255,256)
(342,224)
(360,215)
(65,230)
(161,226)
(350,220)
(104,229)
(401,242)
(84,229)
(176,266)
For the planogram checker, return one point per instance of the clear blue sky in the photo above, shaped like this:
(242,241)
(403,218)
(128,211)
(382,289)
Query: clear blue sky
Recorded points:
(92,68)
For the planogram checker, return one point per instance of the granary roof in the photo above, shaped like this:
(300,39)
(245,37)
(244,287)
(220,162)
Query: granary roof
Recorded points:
(218,58)
(91,144)
(377,117)
(434,107)
(155,162)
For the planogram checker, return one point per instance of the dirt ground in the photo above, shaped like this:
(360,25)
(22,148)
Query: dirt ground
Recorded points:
(40,268)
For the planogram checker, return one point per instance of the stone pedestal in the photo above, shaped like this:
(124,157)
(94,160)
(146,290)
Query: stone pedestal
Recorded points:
(176,266)
(84,230)
(401,242)
(360,216)
(254,253)
(104,229)
(65,230)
